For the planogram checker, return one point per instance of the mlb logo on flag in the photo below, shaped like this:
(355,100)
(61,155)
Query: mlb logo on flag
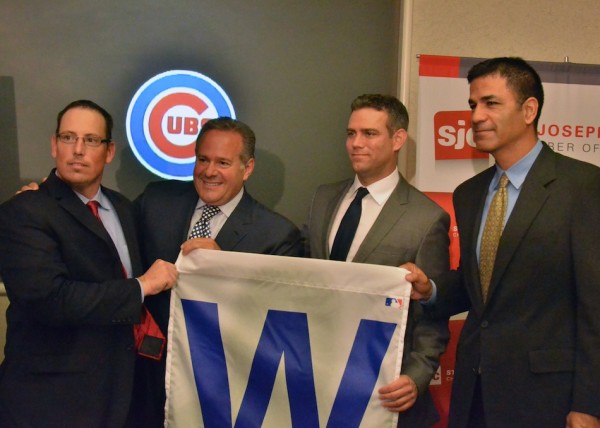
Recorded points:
(393,302)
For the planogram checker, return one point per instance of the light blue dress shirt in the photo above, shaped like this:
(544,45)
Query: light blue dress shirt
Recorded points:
(516,175)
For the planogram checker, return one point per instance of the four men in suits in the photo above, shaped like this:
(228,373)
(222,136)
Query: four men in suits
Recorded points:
(398,224)
(70,279)
(528,352)
(168,211)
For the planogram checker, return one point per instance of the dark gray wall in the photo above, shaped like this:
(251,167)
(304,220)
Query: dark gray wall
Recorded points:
(291,69)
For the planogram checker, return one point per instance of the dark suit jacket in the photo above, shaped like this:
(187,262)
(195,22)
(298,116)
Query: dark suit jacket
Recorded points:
(536,340)
(410,228)
(69,352)
(164,213)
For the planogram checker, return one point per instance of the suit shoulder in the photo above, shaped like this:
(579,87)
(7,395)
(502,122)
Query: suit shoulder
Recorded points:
(115,196)
(482,177)
(264,214)
(569,165)
(28,198)
(422,198)
(28,208)
(167,186)
(333,187)
(325,192)
(161,191)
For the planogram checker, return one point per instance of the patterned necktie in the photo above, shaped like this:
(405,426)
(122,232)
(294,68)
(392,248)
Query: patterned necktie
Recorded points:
(494,224)
(202,227)
(347,230)
(149,339)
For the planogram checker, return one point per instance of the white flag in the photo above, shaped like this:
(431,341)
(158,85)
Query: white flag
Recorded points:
(274,341)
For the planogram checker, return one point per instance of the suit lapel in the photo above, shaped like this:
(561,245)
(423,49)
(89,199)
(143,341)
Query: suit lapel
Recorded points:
(478,200)
(391,213)
(237,225)
(531,200)
(68,200)
(185,205)
(329,216)
(125,216)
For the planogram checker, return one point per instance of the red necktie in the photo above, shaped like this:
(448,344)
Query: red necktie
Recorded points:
(149,340)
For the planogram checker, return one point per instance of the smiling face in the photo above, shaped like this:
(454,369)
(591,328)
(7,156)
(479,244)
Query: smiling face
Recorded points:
(372,151)
(501,125)
(219,173)
(78,165)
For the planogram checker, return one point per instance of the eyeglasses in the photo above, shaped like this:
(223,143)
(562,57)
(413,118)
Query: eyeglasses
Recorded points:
(88,140)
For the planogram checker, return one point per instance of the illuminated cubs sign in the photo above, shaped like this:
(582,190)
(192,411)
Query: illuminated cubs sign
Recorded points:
(165,116)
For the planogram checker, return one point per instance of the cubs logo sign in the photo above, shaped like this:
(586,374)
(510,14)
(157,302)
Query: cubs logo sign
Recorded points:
(165,116)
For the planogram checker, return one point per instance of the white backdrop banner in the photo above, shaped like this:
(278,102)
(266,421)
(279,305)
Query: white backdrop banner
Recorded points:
(276,341)
(446,154)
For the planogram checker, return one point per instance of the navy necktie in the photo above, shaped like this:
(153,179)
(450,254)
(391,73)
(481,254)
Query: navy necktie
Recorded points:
(347,230)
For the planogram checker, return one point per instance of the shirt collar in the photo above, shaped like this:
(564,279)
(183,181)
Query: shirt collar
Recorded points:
(99,196)
(518,172)
(227,208)
(381,190)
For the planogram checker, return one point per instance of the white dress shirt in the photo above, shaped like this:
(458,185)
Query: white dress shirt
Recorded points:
(217,222)
(372,204)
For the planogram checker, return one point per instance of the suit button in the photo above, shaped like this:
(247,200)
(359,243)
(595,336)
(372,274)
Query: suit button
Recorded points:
(484,324)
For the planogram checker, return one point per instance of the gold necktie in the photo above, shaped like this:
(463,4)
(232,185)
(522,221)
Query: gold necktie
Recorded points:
(494,224)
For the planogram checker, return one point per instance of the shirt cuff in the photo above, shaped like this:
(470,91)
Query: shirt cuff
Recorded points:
(433,298)
(141,289)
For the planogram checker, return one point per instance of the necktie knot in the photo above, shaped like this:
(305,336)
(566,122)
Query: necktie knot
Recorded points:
(348,225)
(93,207)
(209,211)
(202,227)
(503,181)
(360,194)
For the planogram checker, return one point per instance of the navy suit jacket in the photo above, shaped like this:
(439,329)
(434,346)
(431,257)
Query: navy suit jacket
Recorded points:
(535,341)
(69,356)
(164,213)
(165,210)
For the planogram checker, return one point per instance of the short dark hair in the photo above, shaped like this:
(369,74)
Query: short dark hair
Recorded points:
(92,106)
(397,113)
(520,77)
(225,123)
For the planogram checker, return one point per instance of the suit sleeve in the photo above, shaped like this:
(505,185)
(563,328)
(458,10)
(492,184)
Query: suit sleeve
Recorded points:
(452,296)
(586,266)
(290,244)
(38,272)
(430,336)
(272,234)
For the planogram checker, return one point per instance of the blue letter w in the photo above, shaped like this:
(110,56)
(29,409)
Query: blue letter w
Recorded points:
(284,334)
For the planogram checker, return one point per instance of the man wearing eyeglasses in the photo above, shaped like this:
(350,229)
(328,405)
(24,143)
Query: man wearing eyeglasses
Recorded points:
(72,276)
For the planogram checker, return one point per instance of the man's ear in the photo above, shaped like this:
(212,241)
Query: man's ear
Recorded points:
(399,138)
(53,146)
(248,169)
(111,151)
(530,109)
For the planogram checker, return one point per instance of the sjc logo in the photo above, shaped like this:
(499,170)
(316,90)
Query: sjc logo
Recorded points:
(165,116)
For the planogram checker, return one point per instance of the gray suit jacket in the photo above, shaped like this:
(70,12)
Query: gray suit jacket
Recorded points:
(410,228)
(536,340)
